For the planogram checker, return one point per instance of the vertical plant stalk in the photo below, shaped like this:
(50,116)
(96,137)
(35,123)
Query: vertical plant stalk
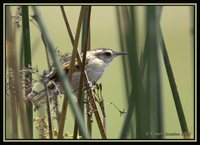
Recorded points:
(124,61)
(153,82)
(89,40)
(133,17)
(143,102)
(81,81)
(123,48)
(65,102)
(14,109)
(86,31)
(67,25)
(11,53)
(176,96)
(85,41)
(48,111)
(62,76)
(89,118)
(21,53)
(74,53)
(27,60)
(88,47)
(102,106)
(72,41)
(89,92)
(127,30)
(92,101)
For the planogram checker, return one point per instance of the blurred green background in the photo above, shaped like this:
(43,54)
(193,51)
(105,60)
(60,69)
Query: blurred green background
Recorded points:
(177,26)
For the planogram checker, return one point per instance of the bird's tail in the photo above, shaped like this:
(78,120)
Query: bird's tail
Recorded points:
(34,96)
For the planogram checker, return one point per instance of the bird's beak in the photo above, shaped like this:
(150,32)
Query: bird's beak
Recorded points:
(120,53)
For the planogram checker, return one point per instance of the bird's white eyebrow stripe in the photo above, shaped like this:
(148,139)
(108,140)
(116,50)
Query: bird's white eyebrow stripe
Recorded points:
(99,51)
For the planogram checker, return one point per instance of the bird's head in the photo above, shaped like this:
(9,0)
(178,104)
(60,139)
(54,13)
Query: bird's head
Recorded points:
(106,54)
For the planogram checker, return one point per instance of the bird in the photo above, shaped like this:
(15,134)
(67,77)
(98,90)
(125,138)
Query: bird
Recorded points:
(97,61)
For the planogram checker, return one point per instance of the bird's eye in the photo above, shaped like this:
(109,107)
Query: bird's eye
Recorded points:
(107,53)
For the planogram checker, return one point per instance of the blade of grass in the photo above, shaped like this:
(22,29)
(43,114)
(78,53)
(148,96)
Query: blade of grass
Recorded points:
(61,74)
(86,47)
(86,30)
(176,96)
(14,106)
(123,48)
(123,44)
(128,40)
(13,96)
(152,81)
(50,124)
(65,102)
(159,99)
(12,62)
(27,59)
(72,63)
(133,16)
(91,97)
(89,40)
(67,25)
(21,54)
(86,23)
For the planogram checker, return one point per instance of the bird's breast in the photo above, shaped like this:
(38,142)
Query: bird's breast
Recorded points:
(94,69)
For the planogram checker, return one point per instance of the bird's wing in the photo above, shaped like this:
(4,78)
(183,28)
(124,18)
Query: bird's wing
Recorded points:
(66,66)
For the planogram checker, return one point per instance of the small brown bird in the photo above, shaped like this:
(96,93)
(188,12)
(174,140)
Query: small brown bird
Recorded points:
(97,60)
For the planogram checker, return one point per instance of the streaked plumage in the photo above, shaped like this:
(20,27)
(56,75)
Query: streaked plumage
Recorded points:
(97,61)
